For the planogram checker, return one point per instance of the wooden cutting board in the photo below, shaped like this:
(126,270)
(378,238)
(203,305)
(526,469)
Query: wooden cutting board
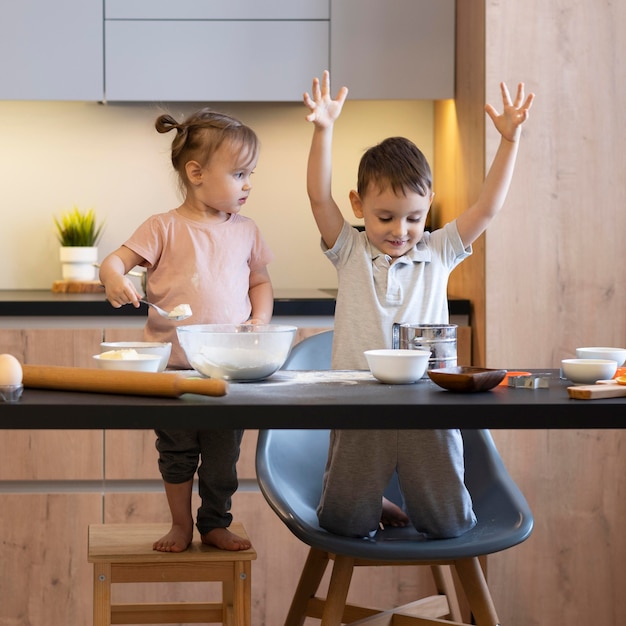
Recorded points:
(595,392)
(77,286)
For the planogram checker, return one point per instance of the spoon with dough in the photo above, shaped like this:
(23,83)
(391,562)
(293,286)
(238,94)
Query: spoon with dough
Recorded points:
(180,312)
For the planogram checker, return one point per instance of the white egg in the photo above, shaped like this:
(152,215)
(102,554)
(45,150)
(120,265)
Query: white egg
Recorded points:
(10,370)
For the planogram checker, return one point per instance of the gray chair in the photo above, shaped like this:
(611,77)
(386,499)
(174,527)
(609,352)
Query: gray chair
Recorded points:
(312,353)
(290,466)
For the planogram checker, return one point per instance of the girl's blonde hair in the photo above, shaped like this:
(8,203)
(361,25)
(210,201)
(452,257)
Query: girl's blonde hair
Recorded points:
(201,134)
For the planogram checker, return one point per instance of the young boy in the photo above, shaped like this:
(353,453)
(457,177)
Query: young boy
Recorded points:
(394,272)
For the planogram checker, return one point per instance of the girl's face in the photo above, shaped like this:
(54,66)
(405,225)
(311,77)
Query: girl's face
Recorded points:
(393,223)
(223,185)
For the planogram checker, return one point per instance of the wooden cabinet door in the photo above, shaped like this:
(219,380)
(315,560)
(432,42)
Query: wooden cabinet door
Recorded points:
(69,347)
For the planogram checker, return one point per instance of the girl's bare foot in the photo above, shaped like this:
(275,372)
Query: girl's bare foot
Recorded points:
(176,540)
(223,539)
(393,515)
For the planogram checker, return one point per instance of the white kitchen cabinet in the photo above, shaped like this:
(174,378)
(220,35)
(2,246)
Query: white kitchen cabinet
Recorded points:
(216,9)
(195,50)
(241,50)
(207,51)
(393,49)
(51,50)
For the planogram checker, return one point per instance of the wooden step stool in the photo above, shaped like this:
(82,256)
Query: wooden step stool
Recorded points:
(122,553)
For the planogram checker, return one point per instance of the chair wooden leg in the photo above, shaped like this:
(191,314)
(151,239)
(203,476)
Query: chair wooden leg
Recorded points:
(475,586)
(102,594)
(445,585)
(237,596)
(338,590)
(310,579)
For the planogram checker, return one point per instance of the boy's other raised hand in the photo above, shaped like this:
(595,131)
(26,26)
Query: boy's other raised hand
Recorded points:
(514,114)
(324,110)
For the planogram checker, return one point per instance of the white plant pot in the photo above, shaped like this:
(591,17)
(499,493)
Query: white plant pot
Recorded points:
(77,262)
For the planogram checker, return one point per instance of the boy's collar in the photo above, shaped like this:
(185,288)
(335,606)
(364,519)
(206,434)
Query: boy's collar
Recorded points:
(419,253)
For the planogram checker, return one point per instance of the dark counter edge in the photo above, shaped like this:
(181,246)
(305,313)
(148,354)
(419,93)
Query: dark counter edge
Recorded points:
(88,416)
(47,304)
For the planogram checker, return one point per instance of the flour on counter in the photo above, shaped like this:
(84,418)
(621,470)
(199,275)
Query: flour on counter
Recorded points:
(348,377)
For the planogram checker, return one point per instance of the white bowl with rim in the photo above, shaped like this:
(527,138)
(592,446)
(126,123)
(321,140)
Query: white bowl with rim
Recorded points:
(397,366)
(588,371)
(612,354)
(127,360)
(162,349)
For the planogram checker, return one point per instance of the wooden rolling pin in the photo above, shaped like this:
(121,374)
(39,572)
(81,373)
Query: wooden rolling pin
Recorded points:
(165,384)
(593,392)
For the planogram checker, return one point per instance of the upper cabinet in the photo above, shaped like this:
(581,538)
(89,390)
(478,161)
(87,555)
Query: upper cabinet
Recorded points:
(393,49)
(51,50)
(240,50)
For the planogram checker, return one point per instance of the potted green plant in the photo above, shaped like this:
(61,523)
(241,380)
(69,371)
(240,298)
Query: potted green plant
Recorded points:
(78,233)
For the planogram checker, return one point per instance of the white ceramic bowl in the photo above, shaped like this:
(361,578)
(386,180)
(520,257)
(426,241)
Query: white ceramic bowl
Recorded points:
(161,349)
(397,366)
(138,363)
(588,371)
(244,352)
(612,354)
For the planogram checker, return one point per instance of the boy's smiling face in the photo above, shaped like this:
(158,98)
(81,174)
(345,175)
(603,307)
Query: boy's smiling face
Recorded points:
(393,223)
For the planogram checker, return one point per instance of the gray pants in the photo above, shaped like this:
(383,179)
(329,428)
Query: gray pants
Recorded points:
(214,453)
(430,468)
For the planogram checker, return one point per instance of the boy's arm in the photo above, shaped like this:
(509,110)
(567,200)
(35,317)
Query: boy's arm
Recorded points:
(261,297)
(324,112)
(474,221)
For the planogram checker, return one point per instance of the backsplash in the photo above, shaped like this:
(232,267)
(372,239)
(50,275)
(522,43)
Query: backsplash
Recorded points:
(56,155)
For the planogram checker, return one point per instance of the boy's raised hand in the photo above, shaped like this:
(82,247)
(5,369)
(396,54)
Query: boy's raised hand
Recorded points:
(510,121)
(324,110)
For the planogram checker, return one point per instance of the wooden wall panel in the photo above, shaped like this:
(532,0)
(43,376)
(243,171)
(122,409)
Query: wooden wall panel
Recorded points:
(555,275)
(123,334)
(459,160)
(569,571)
(45,577)
(51,455)
(553,282)
(130,455)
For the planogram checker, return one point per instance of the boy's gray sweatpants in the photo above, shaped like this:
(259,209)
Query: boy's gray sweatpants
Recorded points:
(431,470)
(214,453)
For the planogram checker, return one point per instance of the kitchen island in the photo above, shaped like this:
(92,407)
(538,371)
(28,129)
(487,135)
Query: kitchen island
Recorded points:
(335,399)
(70,459)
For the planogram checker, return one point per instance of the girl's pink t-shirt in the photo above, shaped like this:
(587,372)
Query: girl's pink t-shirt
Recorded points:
(204,265)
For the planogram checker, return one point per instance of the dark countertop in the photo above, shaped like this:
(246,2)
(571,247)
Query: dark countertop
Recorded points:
(43,303)
(320,400)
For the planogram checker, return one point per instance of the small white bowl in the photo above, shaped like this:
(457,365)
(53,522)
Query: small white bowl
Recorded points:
(138,363)
(162,349)
(397,366)
(588,371)
(612,354)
